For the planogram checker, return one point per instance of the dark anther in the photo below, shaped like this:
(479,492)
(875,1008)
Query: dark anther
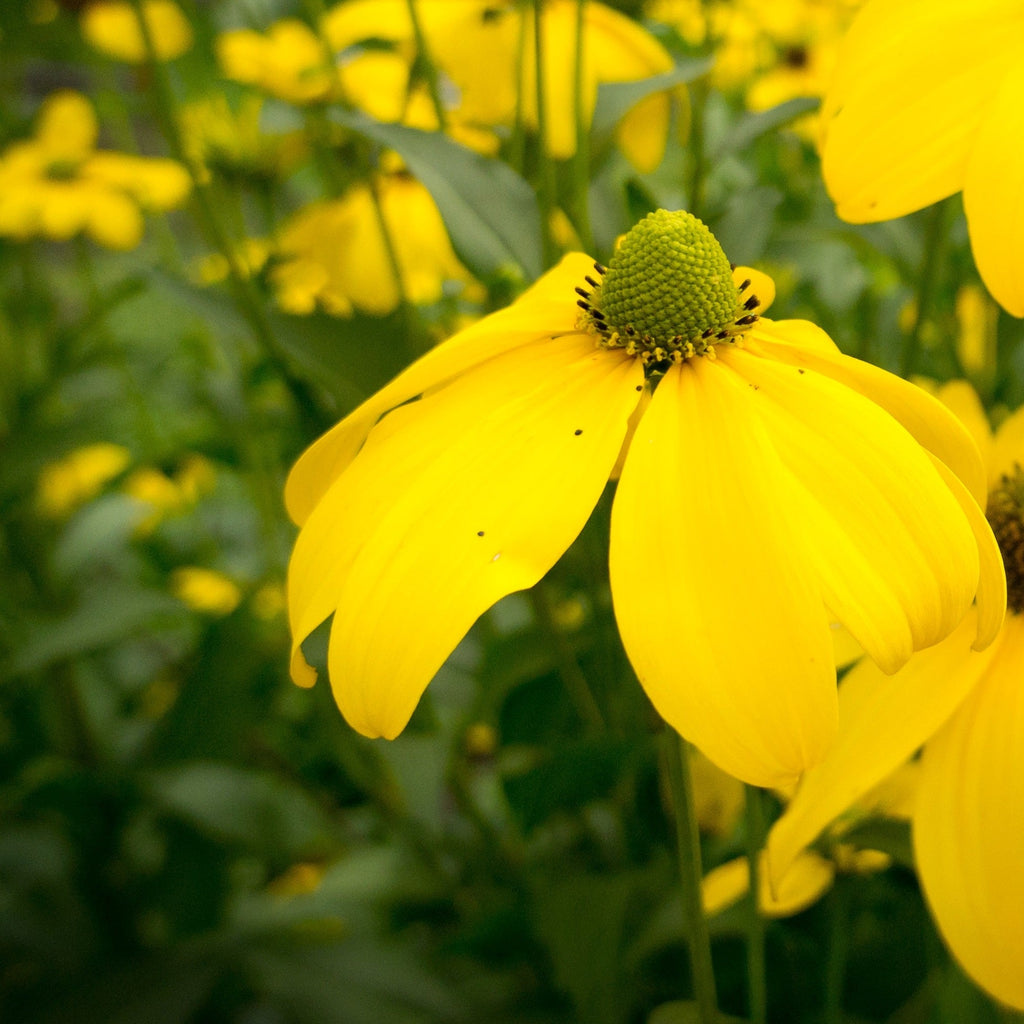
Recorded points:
(630,330)
(597,315)
(577,432)
(600,269)
(751,303)
(722,335)
(732,266)
(591,281)
(745,285)
(583,292)
(583,305)
(707,334)
(751,318)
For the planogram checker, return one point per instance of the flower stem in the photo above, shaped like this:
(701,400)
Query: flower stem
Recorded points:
(426,66)
(756,973)
(835,964)
(934,255)
(688,837)
(581,158)
(545,167)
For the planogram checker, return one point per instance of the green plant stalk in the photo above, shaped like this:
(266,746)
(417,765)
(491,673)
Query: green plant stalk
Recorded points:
(545,166)
(691,872)
(581,158)
(426,64)
(757,974)
(936,236)
(242,290)
(838,943)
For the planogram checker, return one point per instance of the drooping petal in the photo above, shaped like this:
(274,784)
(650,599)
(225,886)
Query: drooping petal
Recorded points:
(801,343)
(550,302)
(911,87)
(807,880)
(455,501)
(969,825)
(883,720)
(962,400)
(897,557)
(714,593)
(993,198)
(991,596)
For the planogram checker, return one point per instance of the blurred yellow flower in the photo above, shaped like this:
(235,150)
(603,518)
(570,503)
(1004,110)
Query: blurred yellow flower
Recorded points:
(58,184)
(205,590)
(333,252)
(230,139)
(476,46)
(977,317)
(967,710)
(899,136)
(112,27)
(78,477)
(736,514)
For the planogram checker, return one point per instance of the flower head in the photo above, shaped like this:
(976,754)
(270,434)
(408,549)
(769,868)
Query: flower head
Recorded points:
(924,97)
(112,26)
(59,185)
(967,710)
(768,488)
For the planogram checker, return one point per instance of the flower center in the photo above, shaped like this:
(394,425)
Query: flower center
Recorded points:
(1005,515)
(668,294)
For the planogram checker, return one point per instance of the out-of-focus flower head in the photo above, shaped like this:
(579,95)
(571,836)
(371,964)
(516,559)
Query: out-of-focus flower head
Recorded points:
(966,709)
(230,140)
(160,495)
(205,590)
(772,52)
(733,509)
(78,477)
(333,253)
(897,136)
(112,27)
(476,47)
(58,184)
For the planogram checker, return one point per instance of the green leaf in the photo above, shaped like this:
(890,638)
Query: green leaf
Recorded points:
(490,211)
(753,126)
(616,99)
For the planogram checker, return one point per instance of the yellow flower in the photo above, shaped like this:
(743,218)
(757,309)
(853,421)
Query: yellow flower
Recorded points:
(78,477)
(476,45)
(925,95)
(205,590)
(58,184)
(112,26)
(967,710)
(768,489)
(334,253)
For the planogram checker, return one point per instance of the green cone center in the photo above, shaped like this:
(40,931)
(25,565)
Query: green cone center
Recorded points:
(669,279)
(1005,514)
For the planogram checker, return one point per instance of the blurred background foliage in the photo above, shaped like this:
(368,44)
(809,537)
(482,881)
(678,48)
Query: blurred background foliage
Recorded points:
(184,835)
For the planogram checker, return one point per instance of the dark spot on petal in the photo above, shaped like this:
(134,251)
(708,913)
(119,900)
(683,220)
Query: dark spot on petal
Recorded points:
(577,432)
(479,533)
(801,370)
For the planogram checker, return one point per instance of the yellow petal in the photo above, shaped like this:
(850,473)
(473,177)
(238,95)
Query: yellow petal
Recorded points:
(112,26)
(808,878)
(969,825)
(715,597)
(962,400)
(456,500)
(897,557)
(910,89)
(548,308)
(993,198)
(928,420)
(1007,448)
(882,721)
(991,596)
(762,287)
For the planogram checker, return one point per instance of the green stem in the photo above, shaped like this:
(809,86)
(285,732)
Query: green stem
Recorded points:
(581,158)
(239,281)
(545,165)
(756,972)
(426,65)
(838,946)
(691,872)
(698,155)
(935,238)
(573,679)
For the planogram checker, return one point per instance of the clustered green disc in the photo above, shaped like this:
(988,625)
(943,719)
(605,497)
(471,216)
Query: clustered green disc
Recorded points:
(669,278)
(1005,515)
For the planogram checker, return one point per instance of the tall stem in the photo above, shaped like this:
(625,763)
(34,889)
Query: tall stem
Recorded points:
(756,973)
(545,167)
(426,65)
(931,263)
(838,942)
(691,872)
